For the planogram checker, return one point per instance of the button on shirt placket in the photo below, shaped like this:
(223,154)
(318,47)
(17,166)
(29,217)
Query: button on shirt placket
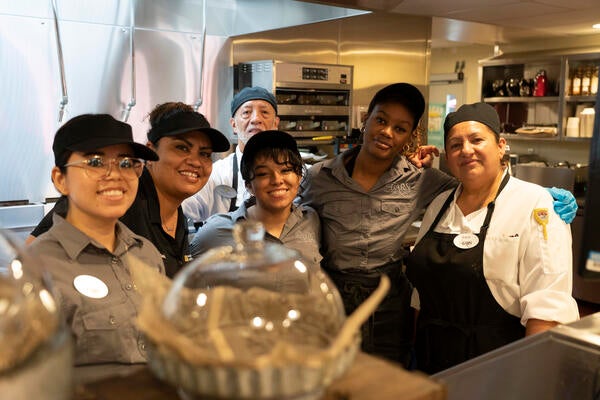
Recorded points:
(122,275)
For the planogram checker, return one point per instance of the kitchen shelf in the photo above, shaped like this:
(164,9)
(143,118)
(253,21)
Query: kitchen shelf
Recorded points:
(516,136)
(499,74)
(580,99)
(577,139)
(528,99)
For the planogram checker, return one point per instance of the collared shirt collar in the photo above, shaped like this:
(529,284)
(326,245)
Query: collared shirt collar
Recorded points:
(400,165)
(74,241)
(242,213)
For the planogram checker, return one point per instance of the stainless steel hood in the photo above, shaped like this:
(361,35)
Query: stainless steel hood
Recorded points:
(223,17)
(182,53)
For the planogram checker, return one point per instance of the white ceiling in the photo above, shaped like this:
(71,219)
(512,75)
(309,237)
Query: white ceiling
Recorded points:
(515,19)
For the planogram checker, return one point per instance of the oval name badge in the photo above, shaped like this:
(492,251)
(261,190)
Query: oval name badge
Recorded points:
(90,286)
(226,191)
(466,241)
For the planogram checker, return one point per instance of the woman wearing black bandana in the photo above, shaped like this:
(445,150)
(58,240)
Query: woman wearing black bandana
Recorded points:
(493,261)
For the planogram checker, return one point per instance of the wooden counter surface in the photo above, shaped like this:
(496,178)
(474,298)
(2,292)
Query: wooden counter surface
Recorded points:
(369,378)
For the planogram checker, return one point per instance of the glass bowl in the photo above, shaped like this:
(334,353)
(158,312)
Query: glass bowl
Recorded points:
(34,344)
(254,322)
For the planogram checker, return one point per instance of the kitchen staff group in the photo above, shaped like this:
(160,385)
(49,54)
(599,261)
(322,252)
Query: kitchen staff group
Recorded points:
(492,262)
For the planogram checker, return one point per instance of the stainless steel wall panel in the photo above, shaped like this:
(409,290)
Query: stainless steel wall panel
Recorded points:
(385,48)
(313,43)
(30,94)
(106,12)
(261,15)
(168,69)
(169,15)
(29,8)
(95,67)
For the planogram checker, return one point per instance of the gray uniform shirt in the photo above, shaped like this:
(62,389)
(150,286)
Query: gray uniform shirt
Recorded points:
(301,232)
(103,328)
(364,229)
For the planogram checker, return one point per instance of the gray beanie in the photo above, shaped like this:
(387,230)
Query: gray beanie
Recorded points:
(252,93)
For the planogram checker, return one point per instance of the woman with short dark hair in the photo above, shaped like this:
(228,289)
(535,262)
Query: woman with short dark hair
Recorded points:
(272,169)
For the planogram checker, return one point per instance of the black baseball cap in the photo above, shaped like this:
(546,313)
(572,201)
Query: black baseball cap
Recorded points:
(187,121)
(401,93)
(252,93)
(478,112)
(272,139)
(89,132)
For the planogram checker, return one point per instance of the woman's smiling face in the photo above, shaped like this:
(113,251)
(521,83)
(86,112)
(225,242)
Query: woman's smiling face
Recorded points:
(184,166)
(275,184)
(97,200)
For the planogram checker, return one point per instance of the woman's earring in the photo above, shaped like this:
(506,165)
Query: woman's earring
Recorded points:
(362,129)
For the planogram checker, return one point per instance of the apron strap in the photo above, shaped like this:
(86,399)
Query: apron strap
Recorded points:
(234,184)
(490,206)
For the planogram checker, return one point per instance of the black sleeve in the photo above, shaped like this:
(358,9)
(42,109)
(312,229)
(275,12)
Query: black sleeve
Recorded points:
(61,207)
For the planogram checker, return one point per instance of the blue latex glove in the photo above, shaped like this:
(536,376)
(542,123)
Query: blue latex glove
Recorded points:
(565,204)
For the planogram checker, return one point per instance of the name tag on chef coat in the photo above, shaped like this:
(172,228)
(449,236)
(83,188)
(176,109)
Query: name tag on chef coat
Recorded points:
(90,286)
(466,241)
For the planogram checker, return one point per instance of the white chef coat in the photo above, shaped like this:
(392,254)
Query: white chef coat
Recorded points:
(206,201)
(529,276)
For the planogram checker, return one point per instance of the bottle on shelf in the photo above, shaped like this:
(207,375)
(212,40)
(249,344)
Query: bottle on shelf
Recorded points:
(586,81)
(541,84)
(576,88)
(594,81)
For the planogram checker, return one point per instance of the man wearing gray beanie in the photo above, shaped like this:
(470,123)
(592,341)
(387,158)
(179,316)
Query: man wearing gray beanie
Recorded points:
(253,110)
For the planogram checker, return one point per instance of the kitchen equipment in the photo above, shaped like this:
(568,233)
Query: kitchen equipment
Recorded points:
(36,352)
(561,363)
(546,176)
(333,125)
(586,125)
(573,127)
(581,177)
(307,125)
(251,322)
(317,97)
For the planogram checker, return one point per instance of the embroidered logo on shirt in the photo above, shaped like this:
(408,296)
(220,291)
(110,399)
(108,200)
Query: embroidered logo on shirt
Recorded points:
(540,215)
(399,188)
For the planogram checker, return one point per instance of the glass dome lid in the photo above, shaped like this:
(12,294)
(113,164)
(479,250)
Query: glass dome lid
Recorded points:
(249,322)
(249,302)
(29,315)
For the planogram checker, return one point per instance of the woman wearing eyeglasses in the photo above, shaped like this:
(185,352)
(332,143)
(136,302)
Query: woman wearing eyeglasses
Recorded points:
(97,167)
(184,142)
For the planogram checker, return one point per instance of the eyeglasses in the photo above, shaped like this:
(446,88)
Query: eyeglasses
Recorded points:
(97,167)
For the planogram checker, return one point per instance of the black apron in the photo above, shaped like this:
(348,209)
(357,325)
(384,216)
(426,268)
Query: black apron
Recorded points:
(459,317)
(388,332)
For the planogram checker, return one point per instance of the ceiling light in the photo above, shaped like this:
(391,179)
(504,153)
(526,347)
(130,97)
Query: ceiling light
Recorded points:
(596,26)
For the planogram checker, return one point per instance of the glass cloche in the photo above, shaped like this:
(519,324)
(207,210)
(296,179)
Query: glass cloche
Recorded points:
(251,322)
(34,345)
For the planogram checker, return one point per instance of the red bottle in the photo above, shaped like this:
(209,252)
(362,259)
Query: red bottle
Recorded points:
(541,84)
